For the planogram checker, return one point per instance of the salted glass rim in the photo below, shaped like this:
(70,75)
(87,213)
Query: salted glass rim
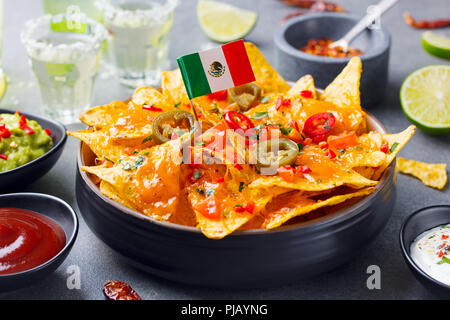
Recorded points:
(156,13)
(96,33)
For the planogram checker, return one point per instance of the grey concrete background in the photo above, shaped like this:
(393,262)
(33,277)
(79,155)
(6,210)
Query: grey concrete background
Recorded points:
(98,263)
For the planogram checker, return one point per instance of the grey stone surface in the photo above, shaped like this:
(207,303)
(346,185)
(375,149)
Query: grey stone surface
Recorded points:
(98,263)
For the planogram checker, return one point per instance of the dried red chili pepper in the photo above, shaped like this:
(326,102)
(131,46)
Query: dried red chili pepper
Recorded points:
(425,24)
(119,290)
(312,6)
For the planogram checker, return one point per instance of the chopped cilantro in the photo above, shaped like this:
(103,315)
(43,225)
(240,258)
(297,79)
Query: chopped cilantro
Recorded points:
(394,145)
(264,99)
(176,105)
(300,146)
(286,131)
(197,174)
(241,186)
(260,115)
(200,191)
(444,260)
(210,192)
(150,137)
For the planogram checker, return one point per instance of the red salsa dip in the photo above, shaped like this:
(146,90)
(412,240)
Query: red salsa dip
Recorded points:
(27,240)
(319,47)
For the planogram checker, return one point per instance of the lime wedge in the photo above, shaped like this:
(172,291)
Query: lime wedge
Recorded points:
(224,23)
(3,83)
(425,98)
(436,45)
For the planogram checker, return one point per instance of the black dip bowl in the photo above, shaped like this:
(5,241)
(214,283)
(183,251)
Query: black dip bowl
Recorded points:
(295,33)
(417,223)
(53,208)
(20,177)
(253,258)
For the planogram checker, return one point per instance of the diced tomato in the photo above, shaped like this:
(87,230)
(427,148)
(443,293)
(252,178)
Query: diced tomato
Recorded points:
(250,207)
(384,147)
(208,208)
(342,142)
(303,169)
(306,94)
(239,209)
(286,173)
(440,254)
(331,154)
(219,95)
(281,102)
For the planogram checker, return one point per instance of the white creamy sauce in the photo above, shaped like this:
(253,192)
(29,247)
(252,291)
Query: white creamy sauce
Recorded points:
(431,252)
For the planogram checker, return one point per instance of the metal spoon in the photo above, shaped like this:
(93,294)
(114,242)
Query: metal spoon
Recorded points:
(364,23)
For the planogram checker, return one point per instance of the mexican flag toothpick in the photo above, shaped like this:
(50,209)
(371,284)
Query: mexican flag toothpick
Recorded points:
(216,69)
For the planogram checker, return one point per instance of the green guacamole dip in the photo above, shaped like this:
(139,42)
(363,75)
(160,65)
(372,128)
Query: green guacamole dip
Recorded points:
(22,147)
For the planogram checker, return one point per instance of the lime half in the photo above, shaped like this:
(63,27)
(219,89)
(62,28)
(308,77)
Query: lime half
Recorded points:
(224,23)
(436,45)
(425,98)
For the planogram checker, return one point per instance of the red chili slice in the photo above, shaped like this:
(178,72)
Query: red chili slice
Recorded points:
(219,95)
(319,124)
(281,102)
(236,120)
(151,108)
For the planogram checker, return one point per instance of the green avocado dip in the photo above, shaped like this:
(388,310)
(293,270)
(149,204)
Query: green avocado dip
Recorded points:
(21,141)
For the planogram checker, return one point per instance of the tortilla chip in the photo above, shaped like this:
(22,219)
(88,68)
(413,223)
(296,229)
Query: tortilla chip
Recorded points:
(106,115)
(172,85)
(431,174)
(266,76)
(149,182)
(304,83)
(344,90)
(288,206)
(396,143)
(151,96)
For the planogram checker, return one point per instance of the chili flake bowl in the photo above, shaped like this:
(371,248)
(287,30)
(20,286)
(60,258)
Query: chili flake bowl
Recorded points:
(18,178)
(253,258)
(53,208)
(414,225)
(295,33)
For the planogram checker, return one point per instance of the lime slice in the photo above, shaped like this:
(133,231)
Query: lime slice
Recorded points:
(425,98)
(224,23)
(3,83)
(436,45)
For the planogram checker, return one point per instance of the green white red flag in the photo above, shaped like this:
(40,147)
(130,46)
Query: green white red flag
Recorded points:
(216,69)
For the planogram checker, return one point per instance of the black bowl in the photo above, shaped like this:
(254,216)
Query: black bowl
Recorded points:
(417,223)
(253,258)
(53,208)
(295,33)
(18,178)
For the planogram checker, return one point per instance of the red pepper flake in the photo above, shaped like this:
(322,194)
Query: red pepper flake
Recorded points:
(281,102)
(48,131)
(151,108)
(3,156)
(385,147)
(331,154)
(306,94)
(219,180)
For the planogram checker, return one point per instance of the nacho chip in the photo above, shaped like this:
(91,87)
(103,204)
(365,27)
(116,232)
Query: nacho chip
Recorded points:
(431,174)
(149,181)
(396,143)
(102,116)
(266,76)
(172,85)
(288,206)
(344,90)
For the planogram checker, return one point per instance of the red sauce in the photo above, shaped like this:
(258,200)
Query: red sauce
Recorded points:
(27,239)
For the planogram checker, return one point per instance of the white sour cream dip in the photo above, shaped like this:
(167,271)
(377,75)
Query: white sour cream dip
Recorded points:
(431,252)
